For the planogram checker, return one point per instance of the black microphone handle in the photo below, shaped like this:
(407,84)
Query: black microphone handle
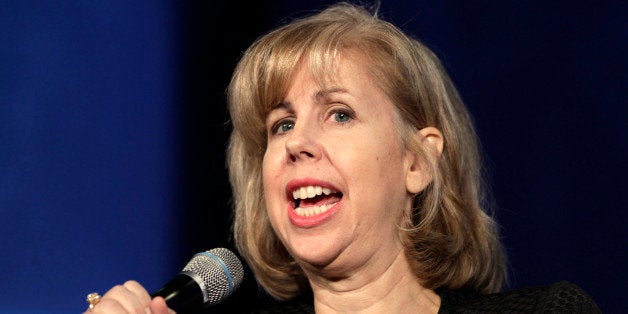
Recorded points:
(182,294)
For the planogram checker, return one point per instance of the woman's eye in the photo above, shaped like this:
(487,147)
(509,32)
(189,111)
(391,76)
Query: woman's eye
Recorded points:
(342,116)
(283,126)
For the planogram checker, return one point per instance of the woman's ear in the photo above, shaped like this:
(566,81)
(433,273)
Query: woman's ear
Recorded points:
(419,173)
(432,136)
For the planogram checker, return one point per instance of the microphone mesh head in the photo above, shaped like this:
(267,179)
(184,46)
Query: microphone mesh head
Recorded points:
(220,271)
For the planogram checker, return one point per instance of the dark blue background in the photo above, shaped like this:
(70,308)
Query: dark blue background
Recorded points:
(113,130)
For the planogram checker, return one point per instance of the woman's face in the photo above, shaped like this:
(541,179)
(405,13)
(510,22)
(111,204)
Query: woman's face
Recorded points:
(335,171)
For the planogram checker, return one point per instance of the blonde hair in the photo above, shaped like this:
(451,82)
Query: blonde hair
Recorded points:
(449,239)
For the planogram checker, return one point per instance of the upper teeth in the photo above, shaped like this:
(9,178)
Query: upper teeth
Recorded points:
(309,192)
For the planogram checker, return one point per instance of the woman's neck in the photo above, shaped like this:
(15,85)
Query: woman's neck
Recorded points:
(389,287)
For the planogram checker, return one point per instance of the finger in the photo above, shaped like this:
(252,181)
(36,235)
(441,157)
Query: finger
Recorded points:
(109,306)
(158,306)
(125,297)
(138,291)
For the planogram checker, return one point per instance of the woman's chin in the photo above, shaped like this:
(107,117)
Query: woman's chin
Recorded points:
(316,256)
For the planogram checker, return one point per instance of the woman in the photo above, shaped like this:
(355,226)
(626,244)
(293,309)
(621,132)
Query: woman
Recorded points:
(356,177)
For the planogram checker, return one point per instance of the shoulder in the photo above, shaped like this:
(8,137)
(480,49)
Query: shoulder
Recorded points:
(560,297)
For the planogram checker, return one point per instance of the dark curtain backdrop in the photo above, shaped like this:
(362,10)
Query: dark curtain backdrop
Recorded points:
(113,129)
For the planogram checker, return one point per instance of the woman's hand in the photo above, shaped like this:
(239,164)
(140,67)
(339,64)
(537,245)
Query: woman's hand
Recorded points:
(130,297)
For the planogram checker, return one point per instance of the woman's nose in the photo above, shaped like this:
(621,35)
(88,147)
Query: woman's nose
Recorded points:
(303,143)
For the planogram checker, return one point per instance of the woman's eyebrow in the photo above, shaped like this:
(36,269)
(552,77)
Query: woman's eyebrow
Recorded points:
(284,105)
(281,105)
(321,94)
(318,96)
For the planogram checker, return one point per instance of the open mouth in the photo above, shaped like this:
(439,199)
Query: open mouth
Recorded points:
(314,200)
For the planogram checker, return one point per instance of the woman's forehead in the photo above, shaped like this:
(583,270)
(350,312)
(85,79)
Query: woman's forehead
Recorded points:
(324,68)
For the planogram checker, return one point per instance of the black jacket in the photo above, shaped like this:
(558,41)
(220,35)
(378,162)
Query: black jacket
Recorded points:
(561,297)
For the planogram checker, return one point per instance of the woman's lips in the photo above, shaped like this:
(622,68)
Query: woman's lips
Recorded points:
(311,202)
(311,217)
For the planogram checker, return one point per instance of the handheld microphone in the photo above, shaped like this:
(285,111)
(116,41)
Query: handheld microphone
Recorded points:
(208,278)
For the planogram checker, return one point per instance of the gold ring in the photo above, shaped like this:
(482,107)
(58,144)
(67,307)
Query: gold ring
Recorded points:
(93,299)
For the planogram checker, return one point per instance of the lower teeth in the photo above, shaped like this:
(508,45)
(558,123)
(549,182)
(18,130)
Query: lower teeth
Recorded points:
(312,210)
